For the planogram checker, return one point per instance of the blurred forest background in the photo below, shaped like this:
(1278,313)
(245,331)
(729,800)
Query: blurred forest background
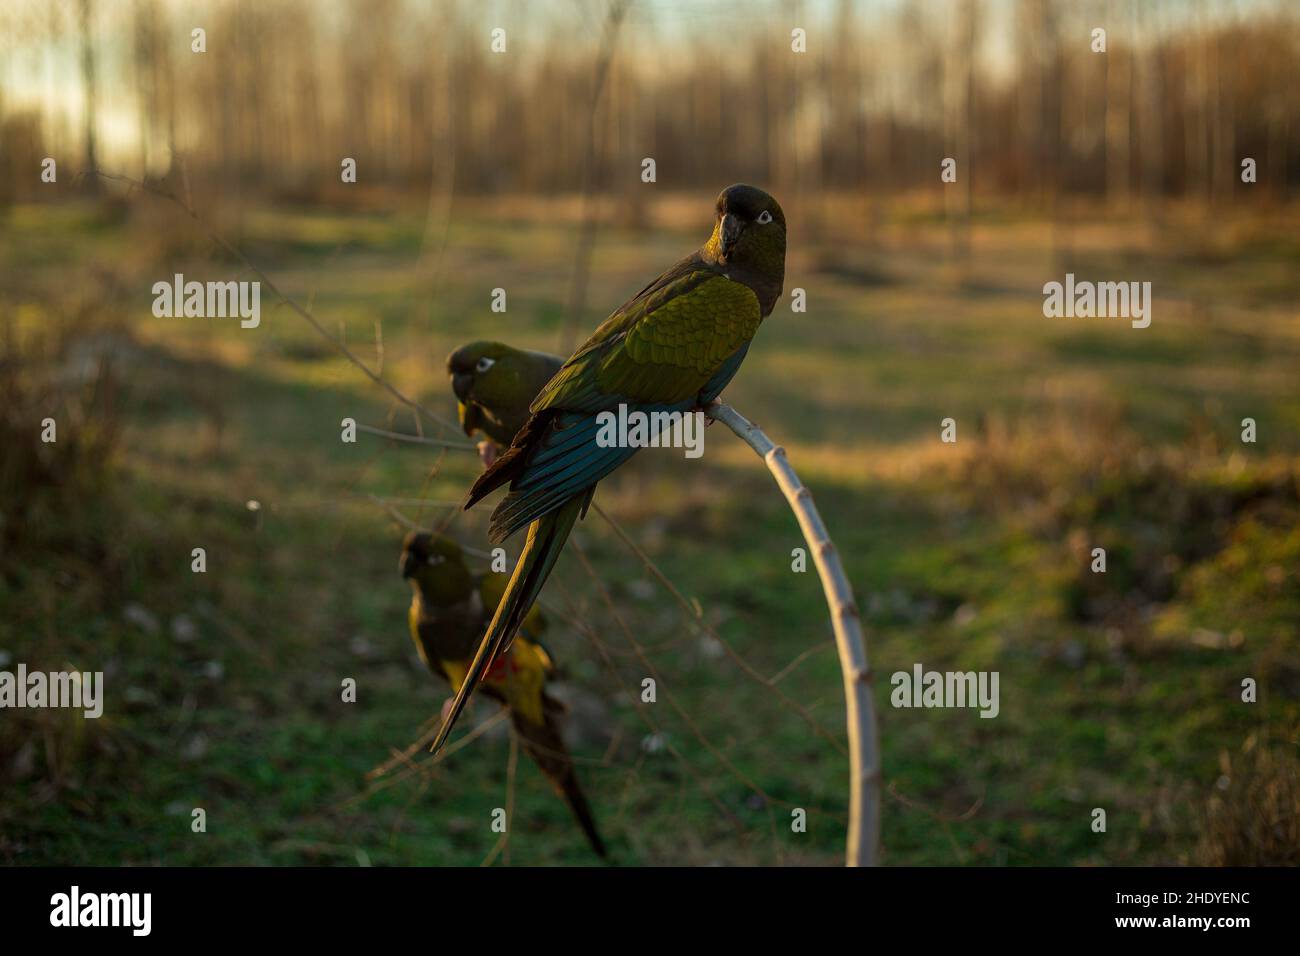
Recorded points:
(523,170)
(1011,89)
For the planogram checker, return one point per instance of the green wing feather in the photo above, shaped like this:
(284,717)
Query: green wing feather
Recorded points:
(659,349)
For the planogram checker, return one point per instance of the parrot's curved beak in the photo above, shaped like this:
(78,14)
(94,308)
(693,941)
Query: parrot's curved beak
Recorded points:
(408,564)
(732,227)
(461,383)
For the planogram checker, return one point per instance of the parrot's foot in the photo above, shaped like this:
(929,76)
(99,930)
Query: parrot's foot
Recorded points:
(446,707)
(704,408)
(488,452)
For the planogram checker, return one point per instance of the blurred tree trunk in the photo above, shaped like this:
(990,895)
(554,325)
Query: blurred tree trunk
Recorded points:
(88,92)
(1119,110)
(1151,82)
(961,130)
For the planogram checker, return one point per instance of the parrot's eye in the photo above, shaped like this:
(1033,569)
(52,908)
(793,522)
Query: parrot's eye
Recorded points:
(436,559)
(764,218)
(484,364)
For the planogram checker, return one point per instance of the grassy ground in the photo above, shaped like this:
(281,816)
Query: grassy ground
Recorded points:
(1119,691)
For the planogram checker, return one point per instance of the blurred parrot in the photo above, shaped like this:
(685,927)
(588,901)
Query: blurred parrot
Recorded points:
(672,347)
(494,385)
(450,609)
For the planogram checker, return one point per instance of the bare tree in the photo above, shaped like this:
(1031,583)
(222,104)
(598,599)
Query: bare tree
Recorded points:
(88,91)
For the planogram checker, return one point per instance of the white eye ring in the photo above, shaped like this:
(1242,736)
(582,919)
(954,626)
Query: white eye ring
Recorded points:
(484,364)
(435,559)
(764,218)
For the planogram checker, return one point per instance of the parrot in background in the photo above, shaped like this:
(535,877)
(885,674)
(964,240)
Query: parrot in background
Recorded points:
(494,386)
(450,609)
(672,347)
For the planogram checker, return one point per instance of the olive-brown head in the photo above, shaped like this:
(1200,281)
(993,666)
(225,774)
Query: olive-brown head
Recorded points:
(748,240)
(495,383)
(435,566)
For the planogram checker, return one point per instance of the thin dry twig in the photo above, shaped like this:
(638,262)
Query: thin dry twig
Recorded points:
(380,775)
(587,237)
(230,248)
(418,439)
(790,668)
(699,734)
(945,820)
(578,622)
(502,846)
(693,612)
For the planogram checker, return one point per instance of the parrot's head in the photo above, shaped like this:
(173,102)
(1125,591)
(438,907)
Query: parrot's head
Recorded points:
(495,384)
(748,232)
(435,565)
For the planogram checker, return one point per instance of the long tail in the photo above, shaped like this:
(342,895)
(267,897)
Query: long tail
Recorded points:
(543,743)
(546,537)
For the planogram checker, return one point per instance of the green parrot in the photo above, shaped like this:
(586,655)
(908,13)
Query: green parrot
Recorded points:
(494,385)
(450,609)
(672,347)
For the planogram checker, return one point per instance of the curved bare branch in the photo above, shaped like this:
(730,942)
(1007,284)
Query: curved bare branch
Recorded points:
(864,745)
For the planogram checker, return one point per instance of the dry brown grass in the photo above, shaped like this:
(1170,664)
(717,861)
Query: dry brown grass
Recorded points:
(1253,816)
(57,372)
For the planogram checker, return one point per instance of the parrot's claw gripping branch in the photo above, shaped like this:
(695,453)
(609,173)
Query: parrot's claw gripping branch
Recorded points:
(864,745)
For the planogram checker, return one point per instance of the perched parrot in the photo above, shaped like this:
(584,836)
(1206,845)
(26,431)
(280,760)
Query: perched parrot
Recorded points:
(494,385)
(450,609)
(673,347)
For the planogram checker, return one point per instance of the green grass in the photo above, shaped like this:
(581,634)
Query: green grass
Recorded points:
(1118,692)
